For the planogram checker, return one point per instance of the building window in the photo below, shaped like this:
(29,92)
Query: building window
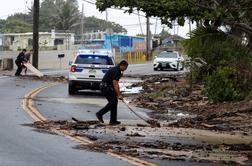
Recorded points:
(58,42)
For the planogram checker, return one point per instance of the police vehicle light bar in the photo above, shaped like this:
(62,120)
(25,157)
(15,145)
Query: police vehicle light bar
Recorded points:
(95,51)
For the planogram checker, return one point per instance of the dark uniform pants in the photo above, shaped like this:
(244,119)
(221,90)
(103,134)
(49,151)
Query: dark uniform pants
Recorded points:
(112,104)
(19,68)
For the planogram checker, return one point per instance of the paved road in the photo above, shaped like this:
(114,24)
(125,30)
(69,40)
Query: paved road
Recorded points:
(133,69)
(21,146)
(55,104)
(147,69)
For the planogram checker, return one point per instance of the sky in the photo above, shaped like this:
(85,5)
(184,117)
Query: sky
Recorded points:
(130,22)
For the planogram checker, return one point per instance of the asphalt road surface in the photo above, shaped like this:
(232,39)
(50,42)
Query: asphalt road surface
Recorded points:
(23,146)
(147,69)
(133,69)
(55,104)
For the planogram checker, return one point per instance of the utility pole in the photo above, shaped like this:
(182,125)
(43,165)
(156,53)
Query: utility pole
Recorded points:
(148,38)
(190,27)
(174,26)
(82,20)
(35,33)
(107,15)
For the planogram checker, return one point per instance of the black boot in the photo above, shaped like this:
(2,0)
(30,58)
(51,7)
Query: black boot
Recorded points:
(99,117)
(114,123)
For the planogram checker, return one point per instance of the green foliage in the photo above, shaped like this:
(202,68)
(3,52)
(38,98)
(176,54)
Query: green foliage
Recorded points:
(95,24)
(197,74)
(213,52)
(65,15)
(234,14)
(170,10)
(47,10)
(221,61)
(17,23)
(2,24)
(249,97)
(27,18)
(17,26)
(59,14)
(223,86)
(215,48)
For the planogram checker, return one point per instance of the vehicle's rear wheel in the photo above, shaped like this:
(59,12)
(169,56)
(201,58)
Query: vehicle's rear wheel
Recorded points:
(71,89)
(155,69)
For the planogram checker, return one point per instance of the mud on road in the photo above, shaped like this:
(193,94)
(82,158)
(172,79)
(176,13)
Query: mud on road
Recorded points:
(178,105)
(165,95)
(192,128)
(156,143)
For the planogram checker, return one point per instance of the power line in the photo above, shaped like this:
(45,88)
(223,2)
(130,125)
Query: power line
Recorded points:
(138,14)
(92,3)
(134,24)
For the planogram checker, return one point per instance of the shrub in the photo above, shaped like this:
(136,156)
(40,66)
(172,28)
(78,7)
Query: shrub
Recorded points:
(223,86)
(226,71)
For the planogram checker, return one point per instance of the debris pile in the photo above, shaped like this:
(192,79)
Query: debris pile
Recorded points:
(163,94)
(46,78)
(152,143)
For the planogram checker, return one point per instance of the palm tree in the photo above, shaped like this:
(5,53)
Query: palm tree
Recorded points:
(66,15)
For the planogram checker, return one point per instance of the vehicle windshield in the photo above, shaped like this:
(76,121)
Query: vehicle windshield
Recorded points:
(167,55)
(94,59)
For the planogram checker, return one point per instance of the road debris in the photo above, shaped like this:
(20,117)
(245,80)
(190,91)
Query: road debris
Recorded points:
(152,122)
(199,131)
(193,110)
(158,143)
(46,78)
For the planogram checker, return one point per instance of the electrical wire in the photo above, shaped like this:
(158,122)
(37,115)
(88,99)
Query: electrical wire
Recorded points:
(138,14)
(134,24)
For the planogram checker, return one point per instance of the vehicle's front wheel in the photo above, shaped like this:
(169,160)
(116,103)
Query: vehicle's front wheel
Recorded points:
(183,66)
(71,89)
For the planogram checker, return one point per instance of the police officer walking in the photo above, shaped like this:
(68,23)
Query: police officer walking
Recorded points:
(19,62)
(111,90)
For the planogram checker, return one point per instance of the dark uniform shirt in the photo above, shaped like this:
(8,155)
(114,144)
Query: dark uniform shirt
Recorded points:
(20,57)
(113,73)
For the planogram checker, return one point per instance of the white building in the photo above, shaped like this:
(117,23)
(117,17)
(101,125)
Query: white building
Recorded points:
(47,41)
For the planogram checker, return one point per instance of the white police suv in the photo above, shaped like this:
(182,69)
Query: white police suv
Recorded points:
(88,69)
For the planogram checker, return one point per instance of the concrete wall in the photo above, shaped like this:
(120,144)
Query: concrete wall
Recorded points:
(47,59)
